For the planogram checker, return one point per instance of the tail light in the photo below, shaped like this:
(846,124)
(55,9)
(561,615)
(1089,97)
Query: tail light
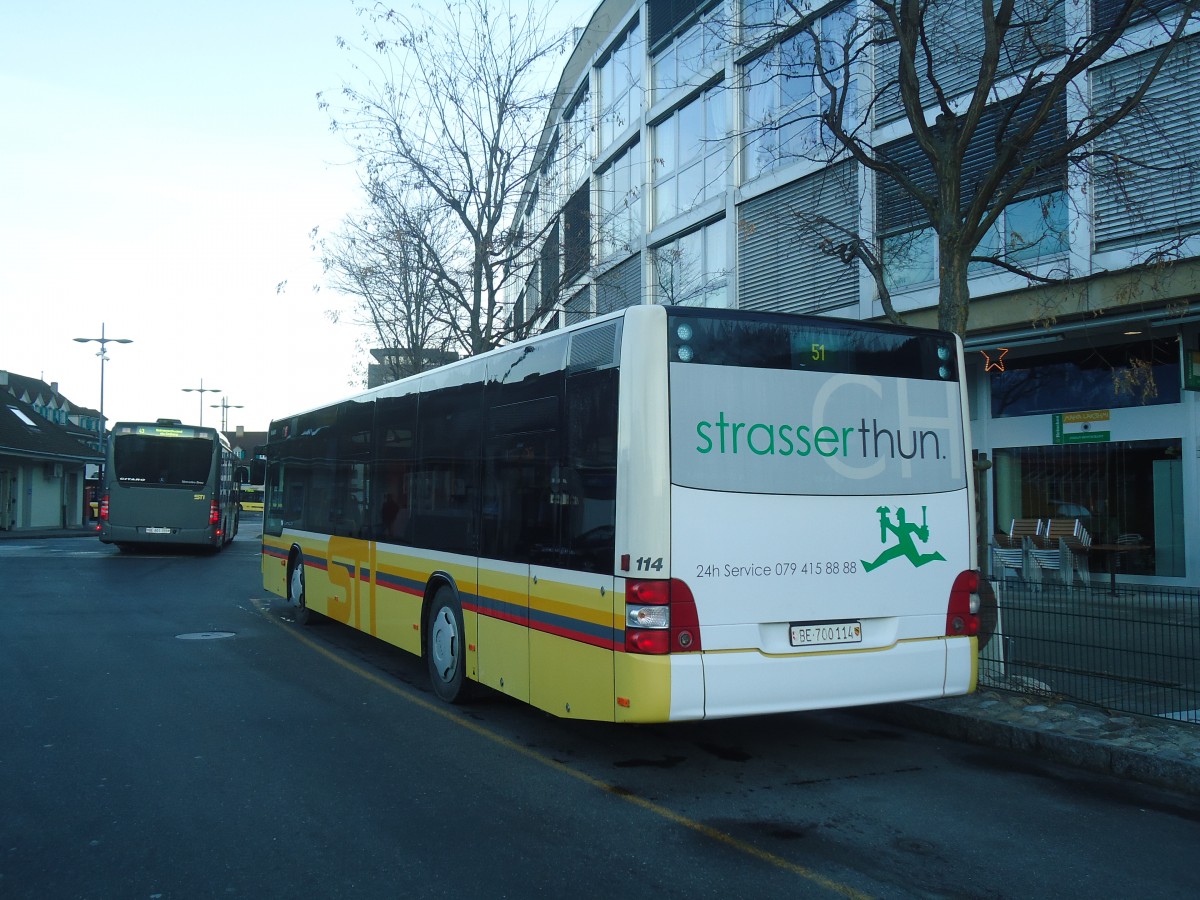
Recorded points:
(214,513)
(104,508)
(962,613)
(660,617)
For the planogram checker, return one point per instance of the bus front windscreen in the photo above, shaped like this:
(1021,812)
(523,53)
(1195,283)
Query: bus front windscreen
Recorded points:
(151,460)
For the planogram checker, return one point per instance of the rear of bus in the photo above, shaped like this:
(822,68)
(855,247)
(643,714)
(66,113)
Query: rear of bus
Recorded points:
(163,486)
(821,549)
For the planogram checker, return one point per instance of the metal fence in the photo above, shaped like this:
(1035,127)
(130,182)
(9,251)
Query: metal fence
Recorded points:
(1133,649)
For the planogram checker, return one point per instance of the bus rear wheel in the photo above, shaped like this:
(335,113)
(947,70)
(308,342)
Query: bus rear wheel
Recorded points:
(444,648)
(301,614)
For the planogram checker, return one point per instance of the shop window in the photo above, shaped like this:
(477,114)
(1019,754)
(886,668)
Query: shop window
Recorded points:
(1137,374)
(1122,492)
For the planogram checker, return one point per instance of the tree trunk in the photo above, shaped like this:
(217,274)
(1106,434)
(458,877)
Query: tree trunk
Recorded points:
(953,293)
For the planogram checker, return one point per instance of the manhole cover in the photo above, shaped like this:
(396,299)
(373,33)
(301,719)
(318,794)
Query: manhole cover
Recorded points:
(205,635)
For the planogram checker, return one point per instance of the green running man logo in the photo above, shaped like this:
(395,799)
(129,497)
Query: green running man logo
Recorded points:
(905,545)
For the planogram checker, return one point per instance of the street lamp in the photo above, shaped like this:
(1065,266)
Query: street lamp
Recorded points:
(103,354)
(225,406)
(202,390)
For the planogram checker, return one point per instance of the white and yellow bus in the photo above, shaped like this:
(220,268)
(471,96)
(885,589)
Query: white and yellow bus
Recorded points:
(251,490)
(662,514)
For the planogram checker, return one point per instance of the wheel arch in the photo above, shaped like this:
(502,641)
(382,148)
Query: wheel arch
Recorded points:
(295,557)
(437,580)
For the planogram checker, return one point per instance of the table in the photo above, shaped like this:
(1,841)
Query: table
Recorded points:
(1113,554)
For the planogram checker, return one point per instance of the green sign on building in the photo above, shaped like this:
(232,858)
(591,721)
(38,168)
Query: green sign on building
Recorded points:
(1079,427)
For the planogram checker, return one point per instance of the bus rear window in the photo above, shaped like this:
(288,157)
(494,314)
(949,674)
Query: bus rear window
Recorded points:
(164,461)
(708,337)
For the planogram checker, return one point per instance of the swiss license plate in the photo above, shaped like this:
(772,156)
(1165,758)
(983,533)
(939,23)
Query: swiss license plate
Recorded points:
(818,634)
(158,531)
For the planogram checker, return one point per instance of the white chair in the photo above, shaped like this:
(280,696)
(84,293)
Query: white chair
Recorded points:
(1079,545)
(1006,558)
(1050,559)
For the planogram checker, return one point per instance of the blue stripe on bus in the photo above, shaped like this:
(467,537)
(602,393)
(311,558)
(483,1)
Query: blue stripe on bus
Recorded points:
(555,624)
(575,629)
(495,608)
(400,583)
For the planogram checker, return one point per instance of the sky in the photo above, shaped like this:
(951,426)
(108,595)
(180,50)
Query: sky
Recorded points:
(162,166)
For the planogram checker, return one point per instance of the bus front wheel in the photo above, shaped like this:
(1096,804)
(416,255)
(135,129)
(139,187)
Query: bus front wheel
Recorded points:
(444,647)
(301,614)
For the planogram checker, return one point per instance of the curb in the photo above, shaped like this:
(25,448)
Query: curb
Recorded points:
(25,534)
(1144,766)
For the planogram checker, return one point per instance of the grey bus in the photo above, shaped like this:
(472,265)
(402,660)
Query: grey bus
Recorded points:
(168,483)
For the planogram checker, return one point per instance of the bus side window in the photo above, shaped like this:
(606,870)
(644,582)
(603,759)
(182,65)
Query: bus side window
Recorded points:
(349,490)
(523,403)
(446,491)
(273,512)
(588,481)
(391,482)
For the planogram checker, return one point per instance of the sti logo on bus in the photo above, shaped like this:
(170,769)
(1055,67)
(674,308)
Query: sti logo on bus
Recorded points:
(775,431)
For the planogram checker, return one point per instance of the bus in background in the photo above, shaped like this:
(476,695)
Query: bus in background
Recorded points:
(168,483)
(662,514)
(252,487)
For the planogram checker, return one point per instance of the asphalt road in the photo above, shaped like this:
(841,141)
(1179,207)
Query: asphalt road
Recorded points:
(166,732)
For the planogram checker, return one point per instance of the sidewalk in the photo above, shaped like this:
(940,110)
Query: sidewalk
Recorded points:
(1154,751)
(28,534)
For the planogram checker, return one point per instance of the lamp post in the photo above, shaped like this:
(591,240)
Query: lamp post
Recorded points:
(225,406)
(103,341)
(202,390)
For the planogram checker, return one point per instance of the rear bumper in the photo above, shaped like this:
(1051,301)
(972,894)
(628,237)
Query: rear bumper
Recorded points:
(743,683)
(130,534)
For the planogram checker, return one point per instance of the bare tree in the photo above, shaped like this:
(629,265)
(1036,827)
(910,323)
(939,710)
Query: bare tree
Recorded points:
(994,95)
(382,259)
(445,117)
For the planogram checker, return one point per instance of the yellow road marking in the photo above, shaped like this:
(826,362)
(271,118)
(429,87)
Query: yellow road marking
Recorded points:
(663,812)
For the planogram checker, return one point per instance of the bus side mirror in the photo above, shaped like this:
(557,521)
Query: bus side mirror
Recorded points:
(241,474)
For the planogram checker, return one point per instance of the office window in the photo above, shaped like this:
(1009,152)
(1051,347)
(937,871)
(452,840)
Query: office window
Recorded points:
(955,42)
(692,270)
(620,287)
(785,98)
(1147,180)
(686,43)
(782,264)
(619,201)
(620,80)
(1031,229)
(577,234)
(690,156)
(577,138)
(548,263)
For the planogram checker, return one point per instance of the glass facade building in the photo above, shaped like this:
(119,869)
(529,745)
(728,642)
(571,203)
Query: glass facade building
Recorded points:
(685,162)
